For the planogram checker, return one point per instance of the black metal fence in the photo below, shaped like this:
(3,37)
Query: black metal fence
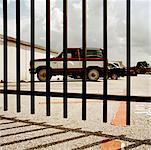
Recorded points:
(48,94)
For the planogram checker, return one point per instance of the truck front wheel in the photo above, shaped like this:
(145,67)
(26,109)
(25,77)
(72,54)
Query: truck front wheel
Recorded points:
(41,75)
(93,74)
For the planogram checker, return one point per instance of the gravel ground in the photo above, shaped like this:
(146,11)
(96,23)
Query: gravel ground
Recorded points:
(56,133)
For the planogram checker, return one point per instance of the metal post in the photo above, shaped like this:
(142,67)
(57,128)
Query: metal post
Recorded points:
(18,53)
(105,60)
(65,43)
(5,53)
(84,60)
(32,55)
(128,44)
(48,57)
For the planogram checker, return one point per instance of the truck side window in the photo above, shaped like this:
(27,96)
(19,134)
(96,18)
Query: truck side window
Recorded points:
(60,55)
(74,54)
(69,55)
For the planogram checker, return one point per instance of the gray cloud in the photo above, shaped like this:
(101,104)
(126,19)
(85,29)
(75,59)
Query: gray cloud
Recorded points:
(140,33)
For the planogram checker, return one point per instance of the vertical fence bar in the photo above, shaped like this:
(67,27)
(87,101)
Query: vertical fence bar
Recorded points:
(5,53)
(18,53)
(32,55)
(84,3)
(48,57)
(65,44)
(128,44)
(105,60)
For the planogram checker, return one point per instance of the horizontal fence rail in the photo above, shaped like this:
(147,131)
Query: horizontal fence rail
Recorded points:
(65,95)
(80,95)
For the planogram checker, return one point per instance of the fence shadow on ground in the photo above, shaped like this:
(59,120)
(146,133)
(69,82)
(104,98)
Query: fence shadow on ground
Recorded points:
(82,134)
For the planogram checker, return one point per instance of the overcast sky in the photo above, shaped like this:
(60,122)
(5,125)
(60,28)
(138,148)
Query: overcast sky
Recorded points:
(140,27)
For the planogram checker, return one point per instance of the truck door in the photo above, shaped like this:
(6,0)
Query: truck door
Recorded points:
(73,60)
(73,63)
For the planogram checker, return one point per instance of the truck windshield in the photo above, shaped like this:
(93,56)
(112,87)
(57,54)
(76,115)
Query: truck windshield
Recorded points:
(60,55)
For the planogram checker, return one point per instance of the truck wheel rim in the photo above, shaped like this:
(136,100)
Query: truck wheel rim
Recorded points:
(42,75)
(93,75)
(114,76)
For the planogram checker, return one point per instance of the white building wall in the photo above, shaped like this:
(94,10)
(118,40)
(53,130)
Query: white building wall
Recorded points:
(25,62)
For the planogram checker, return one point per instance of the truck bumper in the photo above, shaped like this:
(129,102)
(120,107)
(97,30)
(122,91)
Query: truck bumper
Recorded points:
(122,72)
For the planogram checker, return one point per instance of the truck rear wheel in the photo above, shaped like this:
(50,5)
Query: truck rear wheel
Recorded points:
(41,75)
(93,74)
(114,76)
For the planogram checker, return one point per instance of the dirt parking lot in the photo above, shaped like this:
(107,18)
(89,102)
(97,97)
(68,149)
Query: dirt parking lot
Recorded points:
(25,131)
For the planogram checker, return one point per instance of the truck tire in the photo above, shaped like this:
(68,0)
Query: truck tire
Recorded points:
(93,74)
(114,76)
(41,75)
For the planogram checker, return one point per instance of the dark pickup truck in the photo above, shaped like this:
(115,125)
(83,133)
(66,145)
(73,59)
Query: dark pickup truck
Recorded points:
(114,71)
